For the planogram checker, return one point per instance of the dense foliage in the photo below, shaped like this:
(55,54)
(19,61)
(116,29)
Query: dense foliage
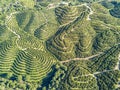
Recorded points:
(59,45)
(116,10)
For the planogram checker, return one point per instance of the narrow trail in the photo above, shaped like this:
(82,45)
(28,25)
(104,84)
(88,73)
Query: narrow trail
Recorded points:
(102,72)
(117,67)
(46,20)
(77,59)
(8,18)
(91,12)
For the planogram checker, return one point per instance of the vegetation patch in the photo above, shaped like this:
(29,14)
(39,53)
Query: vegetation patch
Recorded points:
(116,11)
(59,45)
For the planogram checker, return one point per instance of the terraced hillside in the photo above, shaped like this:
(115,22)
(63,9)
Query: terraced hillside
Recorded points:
(29,62)
(22,53)
(59,45)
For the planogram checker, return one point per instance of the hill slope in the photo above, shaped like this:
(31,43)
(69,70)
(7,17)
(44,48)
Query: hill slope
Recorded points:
(59,45)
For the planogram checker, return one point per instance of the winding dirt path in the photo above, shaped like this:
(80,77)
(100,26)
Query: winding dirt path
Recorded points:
(8,18)
(91,12)
(77,59)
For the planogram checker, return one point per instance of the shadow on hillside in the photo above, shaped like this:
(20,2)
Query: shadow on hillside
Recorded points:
(46,81)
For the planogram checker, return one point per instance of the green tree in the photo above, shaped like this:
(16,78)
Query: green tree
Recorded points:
(19,78)
(27,78)
(116,11)
(44,88)
(9,75)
